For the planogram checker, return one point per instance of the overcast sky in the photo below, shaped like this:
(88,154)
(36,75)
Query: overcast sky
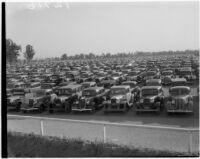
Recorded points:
(75,28)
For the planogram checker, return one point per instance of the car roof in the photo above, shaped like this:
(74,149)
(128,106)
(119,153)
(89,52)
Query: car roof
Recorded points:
(154,80)
(94,88)
(88,82)
(178,79)
(70,86)
(121,86)
(127,82)
(151,87)
(180,87)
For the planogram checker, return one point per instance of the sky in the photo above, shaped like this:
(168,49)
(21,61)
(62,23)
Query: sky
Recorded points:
(73,28)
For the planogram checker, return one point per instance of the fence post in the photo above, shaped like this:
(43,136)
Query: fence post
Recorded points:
(190,142)
(104,133)
(41,128)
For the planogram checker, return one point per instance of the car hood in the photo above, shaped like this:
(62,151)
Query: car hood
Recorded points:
(167,76)
(115,78)
(62,98)
(182,97)
(117,97)
(149,97)
(12,98)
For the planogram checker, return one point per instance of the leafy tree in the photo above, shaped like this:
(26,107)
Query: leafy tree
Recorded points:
(29,53)
(64,57)
(12,51)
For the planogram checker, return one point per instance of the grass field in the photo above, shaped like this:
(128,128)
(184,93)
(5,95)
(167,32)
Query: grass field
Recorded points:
(29,145)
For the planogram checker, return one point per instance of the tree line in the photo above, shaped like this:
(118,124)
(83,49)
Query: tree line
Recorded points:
(127,55)
(13,51)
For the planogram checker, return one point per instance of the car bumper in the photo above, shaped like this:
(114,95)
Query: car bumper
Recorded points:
(150,107)
(115,107)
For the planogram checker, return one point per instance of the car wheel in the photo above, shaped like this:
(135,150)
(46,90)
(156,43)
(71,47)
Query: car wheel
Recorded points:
(137,113)
(18,106)
(51,111)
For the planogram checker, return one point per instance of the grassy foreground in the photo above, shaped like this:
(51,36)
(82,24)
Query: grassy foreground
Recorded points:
(30,145)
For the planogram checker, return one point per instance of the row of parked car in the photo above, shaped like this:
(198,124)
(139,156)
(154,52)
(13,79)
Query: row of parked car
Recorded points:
(114,85)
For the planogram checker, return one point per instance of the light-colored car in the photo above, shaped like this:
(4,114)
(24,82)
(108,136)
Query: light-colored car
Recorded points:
(14,101)
(38,100)
(120,98)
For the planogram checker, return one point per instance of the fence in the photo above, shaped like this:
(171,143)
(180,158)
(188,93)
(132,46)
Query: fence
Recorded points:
(139,136)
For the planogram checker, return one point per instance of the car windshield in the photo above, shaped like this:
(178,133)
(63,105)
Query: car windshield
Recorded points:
(89,93)
(18,92)
(84,75)
(151,73)
(100,75)
(153,83)
(115,91)
(185,72)
(149,92)
(132,73)
(176,92)
(132,85)
(64,92)
(167,73)
(46,86)
(115,74)
(40,93)
(69,76)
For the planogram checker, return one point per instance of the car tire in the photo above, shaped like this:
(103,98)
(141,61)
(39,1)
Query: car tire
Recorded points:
(51,111)
(137,112)
(18,106)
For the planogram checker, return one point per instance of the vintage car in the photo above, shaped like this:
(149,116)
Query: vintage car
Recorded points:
(180,100)
(151,75)
(135,89)
(8,92)
(88,84)
(100,76)
(72,76)
(118,99)
(15,100)
(132,76)
(66,95)
(118,77)
(34,86)
(107,84)
(153,82)
(188,74)
(166,77)
(151,99)
(50,86)
(86,76)
(178,82)
(92,99)
(37,100)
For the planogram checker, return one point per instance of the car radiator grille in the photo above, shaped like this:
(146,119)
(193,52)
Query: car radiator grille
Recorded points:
(82,103)
(146,100)
(31,102)
(178,103)
(57,101)
(113,100)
